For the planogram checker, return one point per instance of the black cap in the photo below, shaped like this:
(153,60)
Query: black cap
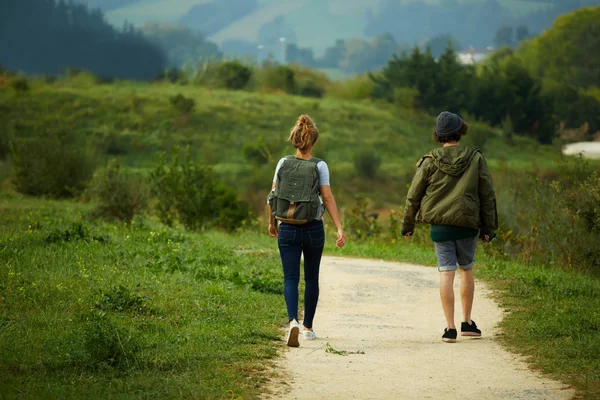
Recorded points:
(448,124)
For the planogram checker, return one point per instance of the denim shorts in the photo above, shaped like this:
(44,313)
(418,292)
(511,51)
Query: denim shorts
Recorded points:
(456,253)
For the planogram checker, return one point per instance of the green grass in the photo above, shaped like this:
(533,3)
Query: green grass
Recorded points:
(152,312)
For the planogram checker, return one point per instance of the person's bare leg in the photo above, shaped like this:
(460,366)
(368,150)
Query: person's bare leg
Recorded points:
(447,296)
(467,292)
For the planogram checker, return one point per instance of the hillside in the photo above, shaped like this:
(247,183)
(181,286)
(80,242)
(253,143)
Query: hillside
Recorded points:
(135,122)
(317,23)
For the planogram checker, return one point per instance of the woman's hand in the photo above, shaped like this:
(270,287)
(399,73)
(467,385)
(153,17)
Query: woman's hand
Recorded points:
(341,239)
(273,230)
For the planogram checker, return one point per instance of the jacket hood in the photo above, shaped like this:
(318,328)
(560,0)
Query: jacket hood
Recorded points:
(453,160)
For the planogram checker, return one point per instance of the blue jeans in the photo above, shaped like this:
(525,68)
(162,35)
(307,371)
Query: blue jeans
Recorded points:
(293,241)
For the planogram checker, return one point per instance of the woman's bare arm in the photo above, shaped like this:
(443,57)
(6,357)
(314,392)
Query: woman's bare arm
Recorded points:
(332,209)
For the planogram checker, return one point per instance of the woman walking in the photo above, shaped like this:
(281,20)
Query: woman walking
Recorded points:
(300,194)
(452,190)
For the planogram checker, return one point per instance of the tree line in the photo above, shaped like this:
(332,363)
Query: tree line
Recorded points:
(548,82)
(47,37)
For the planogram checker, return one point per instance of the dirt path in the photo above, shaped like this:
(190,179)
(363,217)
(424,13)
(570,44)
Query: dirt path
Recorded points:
(392,312)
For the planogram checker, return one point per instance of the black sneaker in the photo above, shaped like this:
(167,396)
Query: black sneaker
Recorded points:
(469,330)
(449,335)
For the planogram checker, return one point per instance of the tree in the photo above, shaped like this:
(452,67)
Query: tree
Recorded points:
(46,37)
(505,36)
(522,33)
(569,51)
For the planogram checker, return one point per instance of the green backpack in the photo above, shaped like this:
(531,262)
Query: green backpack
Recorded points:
(295,199)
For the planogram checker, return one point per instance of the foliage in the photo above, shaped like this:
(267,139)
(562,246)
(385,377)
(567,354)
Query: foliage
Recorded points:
(507,129)
(189,192)
(119,194)
(501,88)
(258,151)
(367,163)
(233,75)
(20,85)
(360,222)
(59,34)
(118,298)
(278,78)
(182,104)
(78,231)
(567,52)
(53,164)
(115,314)
(108,345)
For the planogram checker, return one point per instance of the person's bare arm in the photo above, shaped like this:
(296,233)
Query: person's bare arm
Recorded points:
(332,209)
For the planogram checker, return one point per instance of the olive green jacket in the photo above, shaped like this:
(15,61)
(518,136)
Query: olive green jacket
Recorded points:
(452,186)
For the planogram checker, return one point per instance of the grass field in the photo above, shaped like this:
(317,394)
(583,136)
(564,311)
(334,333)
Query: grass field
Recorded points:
(137,122)
(97,310)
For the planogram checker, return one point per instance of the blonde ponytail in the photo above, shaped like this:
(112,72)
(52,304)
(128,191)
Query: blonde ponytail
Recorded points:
(304,134)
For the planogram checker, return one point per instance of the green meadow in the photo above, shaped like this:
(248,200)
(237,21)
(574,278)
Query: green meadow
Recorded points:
(99,308)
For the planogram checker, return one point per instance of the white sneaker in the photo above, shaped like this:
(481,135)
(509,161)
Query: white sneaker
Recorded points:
(309,335)
(292,339)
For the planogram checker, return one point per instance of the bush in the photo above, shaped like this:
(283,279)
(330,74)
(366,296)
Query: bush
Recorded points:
(478,134)
(360,87)
(257,152)
(233,75)
(53,164)
(360,222)
(281,77)
(190,193)
(311,89)
(367,163)
(182,104)
(508,129)
(20,85)
(75,233)
(118,298)
(107,345)
(172,74)
(119,195)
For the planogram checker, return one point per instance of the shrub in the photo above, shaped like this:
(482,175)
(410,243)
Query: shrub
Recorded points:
(406,97)
(367,163)
(118,298)
(279,77)
(172,74)
(478,136)
(182,104)
(75,233)
(257,152)
(107,345)
(310,89)
(508,129)
(190,193)
(53,164)
(119,195)
(360,222)
(233,75)
(309,82)
(20,85)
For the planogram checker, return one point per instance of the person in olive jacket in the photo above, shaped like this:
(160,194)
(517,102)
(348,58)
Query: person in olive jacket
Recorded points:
(453,192)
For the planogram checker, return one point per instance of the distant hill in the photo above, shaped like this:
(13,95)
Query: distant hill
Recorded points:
(318,23)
